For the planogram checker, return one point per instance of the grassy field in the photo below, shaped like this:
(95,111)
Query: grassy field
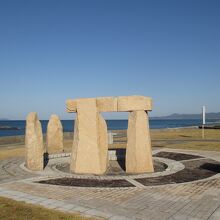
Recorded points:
(11,210)
(186,134)
(12,152)
(188,138)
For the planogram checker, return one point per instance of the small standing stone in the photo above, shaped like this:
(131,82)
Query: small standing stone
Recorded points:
(54,135)
(34,148)
(138,152)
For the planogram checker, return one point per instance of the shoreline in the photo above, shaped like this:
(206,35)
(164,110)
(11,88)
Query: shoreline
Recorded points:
(16,139)
(181,137)
(193,126)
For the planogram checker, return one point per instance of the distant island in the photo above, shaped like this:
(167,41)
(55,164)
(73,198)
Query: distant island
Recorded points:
(214,116)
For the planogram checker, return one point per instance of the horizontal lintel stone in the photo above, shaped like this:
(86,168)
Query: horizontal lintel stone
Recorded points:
(134,103)
(71,105)
(107,104)
(115,104)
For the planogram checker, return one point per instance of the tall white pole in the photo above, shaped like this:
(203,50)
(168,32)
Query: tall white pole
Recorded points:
(203,121)
(203,115)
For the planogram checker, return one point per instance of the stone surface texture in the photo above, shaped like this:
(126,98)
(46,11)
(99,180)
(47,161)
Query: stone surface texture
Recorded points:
(103,143)
(134,103)
(107,104)
(115,104)
(34,148)
(71,105)
(138,151)
(87,154)
(54,135)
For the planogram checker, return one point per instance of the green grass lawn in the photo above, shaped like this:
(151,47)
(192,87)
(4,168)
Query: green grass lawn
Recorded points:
(13,210)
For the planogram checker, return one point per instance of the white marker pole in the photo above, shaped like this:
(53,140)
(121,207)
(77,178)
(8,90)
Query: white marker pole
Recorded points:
(203,115)
(203,121)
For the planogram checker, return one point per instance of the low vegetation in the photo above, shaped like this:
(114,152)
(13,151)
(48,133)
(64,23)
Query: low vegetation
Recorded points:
(190,145)
(187,138)
(12,152)
(185,133)
(11,210)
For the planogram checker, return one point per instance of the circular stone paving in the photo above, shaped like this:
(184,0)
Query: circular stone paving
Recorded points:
(170,168)
(115,167)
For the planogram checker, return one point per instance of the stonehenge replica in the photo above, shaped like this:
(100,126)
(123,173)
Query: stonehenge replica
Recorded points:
(90,145)
(34,146)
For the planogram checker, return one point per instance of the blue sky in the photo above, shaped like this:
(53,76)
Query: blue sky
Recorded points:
(54,50)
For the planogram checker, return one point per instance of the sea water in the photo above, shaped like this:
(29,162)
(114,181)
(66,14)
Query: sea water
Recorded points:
(18,127)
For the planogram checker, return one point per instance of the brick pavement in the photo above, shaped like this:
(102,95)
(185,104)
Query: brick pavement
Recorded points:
(193,200)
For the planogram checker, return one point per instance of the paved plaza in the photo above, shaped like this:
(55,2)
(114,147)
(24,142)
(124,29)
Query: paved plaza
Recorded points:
(191,200)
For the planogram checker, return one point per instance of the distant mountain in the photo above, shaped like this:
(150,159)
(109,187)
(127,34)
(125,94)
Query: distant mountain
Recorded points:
(4,119)
(190,116)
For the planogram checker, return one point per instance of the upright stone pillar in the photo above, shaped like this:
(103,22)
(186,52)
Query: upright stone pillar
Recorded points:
(103,143)
(138,151)
(54,135)
(34,148)
(90,142)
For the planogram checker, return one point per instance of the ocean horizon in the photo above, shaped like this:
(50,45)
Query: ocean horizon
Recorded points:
(17,127)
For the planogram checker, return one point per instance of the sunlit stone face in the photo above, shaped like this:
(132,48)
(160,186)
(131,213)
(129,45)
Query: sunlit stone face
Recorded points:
(90,145)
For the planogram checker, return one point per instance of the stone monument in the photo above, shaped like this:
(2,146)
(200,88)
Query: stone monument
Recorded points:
(90,148)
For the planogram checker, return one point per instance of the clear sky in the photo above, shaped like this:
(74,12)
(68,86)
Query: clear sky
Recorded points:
(54,50)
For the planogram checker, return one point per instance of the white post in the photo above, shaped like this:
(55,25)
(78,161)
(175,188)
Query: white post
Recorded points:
(203,115)
(203,121)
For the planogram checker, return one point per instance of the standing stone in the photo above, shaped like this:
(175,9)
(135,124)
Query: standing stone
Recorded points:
(138,151)
(103,143)
(34,148)
(54,135)
(90,140)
